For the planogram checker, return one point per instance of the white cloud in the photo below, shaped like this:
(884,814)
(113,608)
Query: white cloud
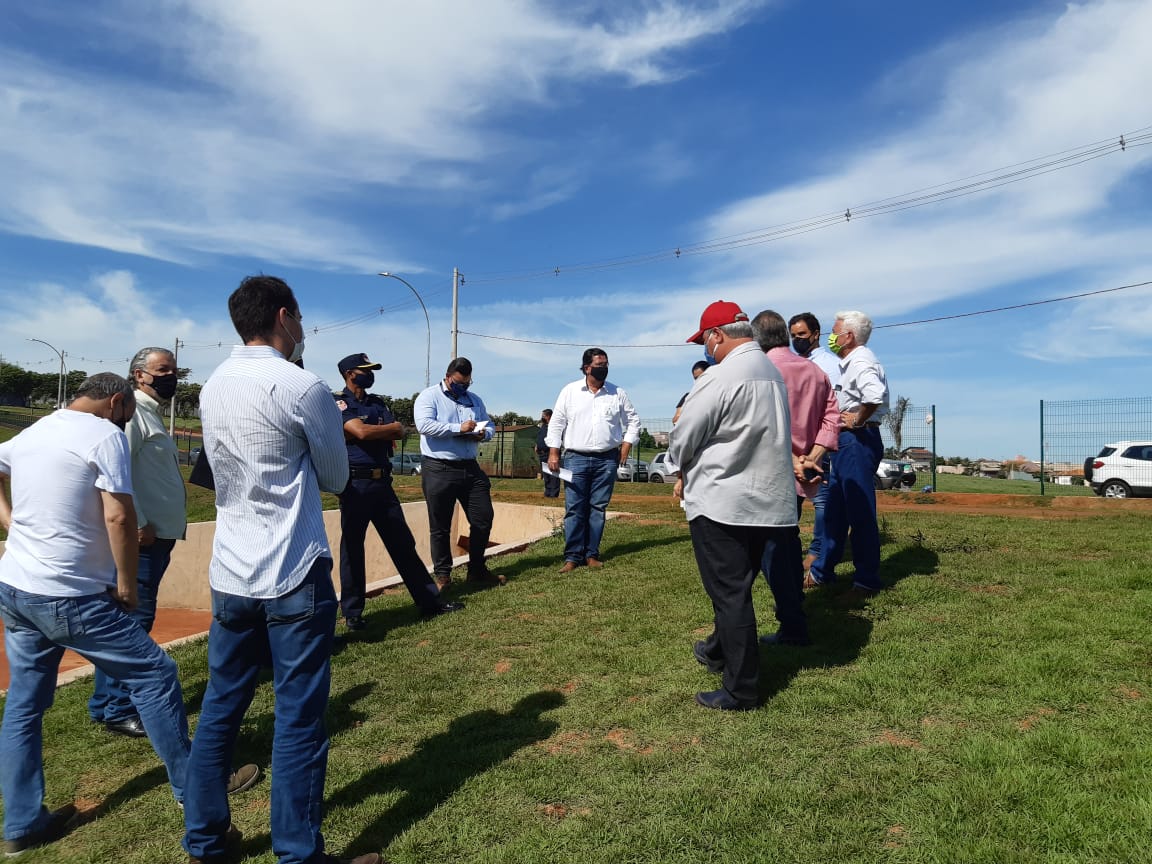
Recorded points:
(1016,94)
(265,114)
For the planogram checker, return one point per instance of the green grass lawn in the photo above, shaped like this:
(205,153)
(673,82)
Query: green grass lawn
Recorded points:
(991,706)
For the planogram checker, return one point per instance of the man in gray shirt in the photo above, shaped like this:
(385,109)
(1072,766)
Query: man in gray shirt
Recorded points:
(733,444)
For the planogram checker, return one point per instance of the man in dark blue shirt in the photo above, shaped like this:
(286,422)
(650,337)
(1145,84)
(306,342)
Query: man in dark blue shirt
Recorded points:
(369,430)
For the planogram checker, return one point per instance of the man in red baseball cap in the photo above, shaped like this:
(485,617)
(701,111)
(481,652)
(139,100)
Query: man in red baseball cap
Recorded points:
(733,444)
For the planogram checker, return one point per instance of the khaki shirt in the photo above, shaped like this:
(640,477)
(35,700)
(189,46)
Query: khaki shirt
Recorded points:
(160,495)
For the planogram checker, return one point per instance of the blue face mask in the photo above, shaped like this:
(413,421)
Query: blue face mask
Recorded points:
(458,389)
(364,379)
(709,358)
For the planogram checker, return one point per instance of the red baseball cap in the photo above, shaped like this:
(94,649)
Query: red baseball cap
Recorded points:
(717,315)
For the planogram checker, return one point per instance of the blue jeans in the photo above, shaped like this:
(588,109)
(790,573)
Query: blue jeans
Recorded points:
(818,500)
(110,702)
(851,506)
(37,629)
(586,498)
(294,634)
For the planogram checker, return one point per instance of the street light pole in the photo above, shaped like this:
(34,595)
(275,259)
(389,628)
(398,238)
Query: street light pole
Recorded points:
(427,325)
(60,381)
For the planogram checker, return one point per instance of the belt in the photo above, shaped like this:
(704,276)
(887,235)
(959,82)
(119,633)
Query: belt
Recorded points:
(368,473)
(594,452)
(871,424)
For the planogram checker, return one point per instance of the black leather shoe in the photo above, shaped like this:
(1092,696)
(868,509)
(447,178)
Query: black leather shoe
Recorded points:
(780,639)
(132,727)
(442,609)
(713,666)
(355,623)
(721,701)
(56,827)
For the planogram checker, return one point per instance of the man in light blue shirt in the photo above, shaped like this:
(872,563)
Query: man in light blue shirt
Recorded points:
(275,440)
(452,421)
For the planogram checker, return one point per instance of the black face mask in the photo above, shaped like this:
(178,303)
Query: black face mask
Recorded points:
(600,373)
(364,379)
(164,385)
(803,346)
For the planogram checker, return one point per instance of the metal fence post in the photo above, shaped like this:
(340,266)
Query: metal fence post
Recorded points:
(935,488)
(1041,446)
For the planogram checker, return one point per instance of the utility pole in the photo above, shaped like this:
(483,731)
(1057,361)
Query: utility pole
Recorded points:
(455,309)
(172,405)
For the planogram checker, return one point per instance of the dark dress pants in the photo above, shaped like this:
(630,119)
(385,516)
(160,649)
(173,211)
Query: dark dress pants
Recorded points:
(444,483)
(374,501)
(783,567)
(729,559)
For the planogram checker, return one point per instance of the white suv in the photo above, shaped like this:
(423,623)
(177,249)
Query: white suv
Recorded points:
(1121,470)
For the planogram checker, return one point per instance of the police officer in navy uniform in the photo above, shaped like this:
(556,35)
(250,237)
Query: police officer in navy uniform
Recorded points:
(369,430)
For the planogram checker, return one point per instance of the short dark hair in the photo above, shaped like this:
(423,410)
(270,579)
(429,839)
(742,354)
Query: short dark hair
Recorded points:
(702,365)
(255,304)
(104,385)
(460,364)
(547,412)
(769,330)
(808,318)
(590,354)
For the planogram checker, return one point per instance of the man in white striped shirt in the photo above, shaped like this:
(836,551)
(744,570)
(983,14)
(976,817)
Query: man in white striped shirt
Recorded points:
(274,438)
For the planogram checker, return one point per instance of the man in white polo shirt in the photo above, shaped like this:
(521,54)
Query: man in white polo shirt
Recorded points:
(68,580)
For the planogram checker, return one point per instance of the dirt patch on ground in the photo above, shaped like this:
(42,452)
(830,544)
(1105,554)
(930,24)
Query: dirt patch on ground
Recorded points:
(1029,722)
(972,503)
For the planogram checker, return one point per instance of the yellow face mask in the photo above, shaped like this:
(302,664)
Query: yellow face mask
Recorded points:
(834,343)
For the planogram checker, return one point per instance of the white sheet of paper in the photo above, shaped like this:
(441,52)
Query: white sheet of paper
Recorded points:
(564,473)
(481,425)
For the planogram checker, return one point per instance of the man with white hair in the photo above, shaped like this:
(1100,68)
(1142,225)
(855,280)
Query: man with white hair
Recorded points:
(161,517)
(851,504)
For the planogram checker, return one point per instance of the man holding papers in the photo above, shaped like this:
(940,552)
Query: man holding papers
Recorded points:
(452,422)
(595,423)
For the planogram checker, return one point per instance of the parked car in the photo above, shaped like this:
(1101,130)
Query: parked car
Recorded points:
(1121,470)
(892,473)
(407,463)
(633,470)
(661,470)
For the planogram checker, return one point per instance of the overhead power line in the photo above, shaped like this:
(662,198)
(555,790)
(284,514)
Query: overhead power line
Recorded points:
(874,327)
(971,185)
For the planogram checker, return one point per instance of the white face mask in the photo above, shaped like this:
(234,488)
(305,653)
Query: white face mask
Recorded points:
(297,347)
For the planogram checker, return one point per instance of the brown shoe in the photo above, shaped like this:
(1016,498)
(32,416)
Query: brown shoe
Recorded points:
(594,562)
(568,567)
(366,858)
(243,779)
(443,582)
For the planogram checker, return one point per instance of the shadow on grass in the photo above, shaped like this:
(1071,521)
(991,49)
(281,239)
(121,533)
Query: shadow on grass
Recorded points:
(471,745)
(551,563)
(839,632)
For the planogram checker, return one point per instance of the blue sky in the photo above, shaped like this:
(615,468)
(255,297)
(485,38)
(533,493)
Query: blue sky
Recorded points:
(153,154)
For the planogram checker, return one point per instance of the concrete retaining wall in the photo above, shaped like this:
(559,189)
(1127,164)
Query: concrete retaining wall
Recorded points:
(185,584)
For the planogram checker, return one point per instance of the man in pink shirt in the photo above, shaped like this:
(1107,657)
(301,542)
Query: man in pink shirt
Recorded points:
(815,417)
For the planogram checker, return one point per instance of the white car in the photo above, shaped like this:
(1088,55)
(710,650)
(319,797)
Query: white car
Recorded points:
(1121,470)
(408,463)
(661,470)
(632,470)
